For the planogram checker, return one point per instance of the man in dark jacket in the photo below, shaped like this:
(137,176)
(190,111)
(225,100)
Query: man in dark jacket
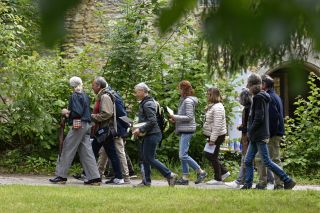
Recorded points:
(258,133)
(151,136)
(276,127)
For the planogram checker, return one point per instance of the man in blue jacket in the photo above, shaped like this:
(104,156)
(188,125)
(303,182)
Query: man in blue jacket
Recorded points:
(258,134)
(276,128)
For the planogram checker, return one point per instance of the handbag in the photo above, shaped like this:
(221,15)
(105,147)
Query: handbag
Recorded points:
(102,134)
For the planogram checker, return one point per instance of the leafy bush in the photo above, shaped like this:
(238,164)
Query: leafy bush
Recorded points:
(302,140)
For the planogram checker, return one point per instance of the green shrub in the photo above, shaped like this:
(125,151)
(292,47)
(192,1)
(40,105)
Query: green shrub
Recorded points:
(302,140)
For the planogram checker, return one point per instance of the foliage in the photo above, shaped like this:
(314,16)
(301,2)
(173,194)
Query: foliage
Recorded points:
(137,54)
(302,141)
(18,29)
(250,32)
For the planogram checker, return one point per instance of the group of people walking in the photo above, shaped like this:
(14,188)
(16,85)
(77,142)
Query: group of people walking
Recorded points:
(262,129)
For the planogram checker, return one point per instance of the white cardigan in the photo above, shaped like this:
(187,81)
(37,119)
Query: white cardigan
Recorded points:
(215,121)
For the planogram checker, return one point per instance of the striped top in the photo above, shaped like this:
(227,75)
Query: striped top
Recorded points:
(215,121)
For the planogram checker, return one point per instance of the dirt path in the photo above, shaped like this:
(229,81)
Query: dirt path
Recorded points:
(43,181)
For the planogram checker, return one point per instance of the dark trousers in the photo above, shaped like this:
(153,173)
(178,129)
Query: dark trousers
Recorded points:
(213,158)
(149,146)
(110,149)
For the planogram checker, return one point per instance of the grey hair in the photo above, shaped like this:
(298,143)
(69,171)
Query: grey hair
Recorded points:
(101,81)
(254,79)
(75,81)
(142,86)
(245,97)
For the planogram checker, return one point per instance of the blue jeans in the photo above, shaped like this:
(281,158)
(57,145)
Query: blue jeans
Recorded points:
(262,147)
(149,146)
(186,160)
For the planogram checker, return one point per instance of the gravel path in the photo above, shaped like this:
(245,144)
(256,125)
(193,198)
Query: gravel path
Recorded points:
(43,181)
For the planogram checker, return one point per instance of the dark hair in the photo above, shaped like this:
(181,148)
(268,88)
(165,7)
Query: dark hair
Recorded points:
(214,95)
(269,82)
(254,79)
(186,88)
(245,97)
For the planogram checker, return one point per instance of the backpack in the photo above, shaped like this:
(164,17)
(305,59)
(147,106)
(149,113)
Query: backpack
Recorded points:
(120,110)
(160,117)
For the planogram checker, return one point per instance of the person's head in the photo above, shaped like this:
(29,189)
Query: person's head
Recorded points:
(213,95)
(254,83)
(245,97)
(76,83)
(141,90)
(267,82)
(98,84)
(185,88)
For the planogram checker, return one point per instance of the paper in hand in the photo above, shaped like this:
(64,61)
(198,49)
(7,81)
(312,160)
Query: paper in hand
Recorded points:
(209,149)
(170,111)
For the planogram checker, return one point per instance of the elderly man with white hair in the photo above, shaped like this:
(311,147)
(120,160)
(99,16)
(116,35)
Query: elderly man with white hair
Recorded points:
(151,136)
(78,138)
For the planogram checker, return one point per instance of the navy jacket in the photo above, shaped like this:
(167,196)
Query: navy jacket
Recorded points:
(276,123)
(258,126)
(79,106)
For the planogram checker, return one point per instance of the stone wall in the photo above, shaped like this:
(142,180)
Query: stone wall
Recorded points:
(86,24)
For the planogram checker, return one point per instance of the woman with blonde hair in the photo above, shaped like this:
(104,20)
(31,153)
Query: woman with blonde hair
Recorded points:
(215,129)
(185,126)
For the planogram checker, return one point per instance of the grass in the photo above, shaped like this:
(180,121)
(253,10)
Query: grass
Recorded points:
(20,198)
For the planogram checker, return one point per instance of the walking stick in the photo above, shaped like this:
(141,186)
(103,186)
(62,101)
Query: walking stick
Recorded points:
(61,134)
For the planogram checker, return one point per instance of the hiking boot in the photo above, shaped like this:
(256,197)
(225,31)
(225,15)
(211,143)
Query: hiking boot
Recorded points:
(93,182)
(58,179)
(172,179)
(225,175)
(289,185)
(246,186)
(278,187)
(200,177)
(140,185)
(182,181)
(261,186)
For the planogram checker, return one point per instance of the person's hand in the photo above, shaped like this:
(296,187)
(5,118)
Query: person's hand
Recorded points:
(136,132)
(171,120)
(211,143)
(65,112)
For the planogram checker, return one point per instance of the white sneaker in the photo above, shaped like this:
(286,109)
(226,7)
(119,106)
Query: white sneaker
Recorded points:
(224,176)
(233,184)
(215,182)
(118,181)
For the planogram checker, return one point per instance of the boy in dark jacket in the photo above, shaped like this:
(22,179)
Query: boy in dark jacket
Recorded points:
(258,133)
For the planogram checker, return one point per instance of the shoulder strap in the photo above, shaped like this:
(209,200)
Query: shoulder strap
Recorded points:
(114,109)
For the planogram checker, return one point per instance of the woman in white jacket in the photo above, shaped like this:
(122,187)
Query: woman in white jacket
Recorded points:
(215,129)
